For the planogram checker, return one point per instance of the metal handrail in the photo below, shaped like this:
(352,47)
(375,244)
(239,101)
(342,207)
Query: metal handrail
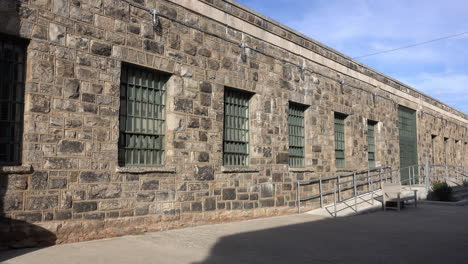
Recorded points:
(417,174)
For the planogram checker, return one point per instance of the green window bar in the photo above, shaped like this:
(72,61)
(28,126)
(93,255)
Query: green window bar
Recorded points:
(12,69)
(371,143)
(142,116)
(236,128)
(296,135)
(340,140)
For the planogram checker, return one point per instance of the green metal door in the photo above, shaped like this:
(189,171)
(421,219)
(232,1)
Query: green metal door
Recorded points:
(408,142)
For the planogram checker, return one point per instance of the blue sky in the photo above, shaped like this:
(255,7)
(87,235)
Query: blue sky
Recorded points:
(360,27)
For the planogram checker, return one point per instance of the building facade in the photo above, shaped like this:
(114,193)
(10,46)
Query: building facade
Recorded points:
(130,116)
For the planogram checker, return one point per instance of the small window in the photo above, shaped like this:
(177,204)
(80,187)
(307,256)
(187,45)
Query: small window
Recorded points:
(433,142)
(142,116)
(296,135)
(12,77)
(371,143)
(340,140)
(445,150)
(236,128)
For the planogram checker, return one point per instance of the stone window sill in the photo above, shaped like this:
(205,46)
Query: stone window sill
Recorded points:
(299,170)
(238,169)
(144,170)
(16,169)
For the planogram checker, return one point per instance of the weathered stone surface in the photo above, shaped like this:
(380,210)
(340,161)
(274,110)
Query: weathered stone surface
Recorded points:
(100,48)
(42,71)
(41,202)
(39,103)
(153,46)
(62,215)
(58,163)
(204,157)
(60,7)
(282,158)
(57,33)
(206,87)
(183,105)
(150,185)
(70,147)
(105,191)
(71,89)
(57,183)
(81,14)
(229,194)
(145,197)
(267,190)
(210,204)
(65,69)
(30,217)
(65,105)
(39,180)
(94,176)
(81,207)
(204,173)
(204,52)
(11,202)
(116,9)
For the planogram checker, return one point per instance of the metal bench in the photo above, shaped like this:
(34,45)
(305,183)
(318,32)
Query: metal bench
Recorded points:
(395,192)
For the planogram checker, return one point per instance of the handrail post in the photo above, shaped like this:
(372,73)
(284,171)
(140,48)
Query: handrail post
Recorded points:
(372,190)
(355,191)
(409,171)
(298,197)
(339,187)
(414,177)
(321,193)
(419,174)
(368,180)
(380,178)
(334,201)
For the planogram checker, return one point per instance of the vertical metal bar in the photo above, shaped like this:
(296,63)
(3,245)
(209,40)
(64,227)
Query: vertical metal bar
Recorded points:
(321,193)
(355,192)
(368,180)
(414,177)
(298,197)
(419,174)
(380,178)
(334,201)
(409,171)
(372,191)
(339,187)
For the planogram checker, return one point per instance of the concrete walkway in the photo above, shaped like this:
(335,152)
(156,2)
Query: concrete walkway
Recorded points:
(427,234)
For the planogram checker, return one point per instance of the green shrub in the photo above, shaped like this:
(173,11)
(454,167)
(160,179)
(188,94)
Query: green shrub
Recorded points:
(465,183)
(440,191)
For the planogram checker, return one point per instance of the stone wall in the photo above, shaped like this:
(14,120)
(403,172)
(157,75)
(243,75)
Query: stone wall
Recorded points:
(70,182)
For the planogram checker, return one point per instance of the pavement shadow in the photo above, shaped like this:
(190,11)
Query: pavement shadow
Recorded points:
(15,233)
(408,236)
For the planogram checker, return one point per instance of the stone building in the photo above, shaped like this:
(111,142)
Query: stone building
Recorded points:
(129,116)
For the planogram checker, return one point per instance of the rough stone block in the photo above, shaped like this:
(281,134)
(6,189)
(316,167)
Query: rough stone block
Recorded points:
(210,204)
(57,33)
(94,176)
(267,190)
(39,180)
(105,191)
(205,173)
(150,185)
(11,202)
(81,207)
(153,46)
(229,194)
(41,202)
(282,158)
(100,48)
(70,147)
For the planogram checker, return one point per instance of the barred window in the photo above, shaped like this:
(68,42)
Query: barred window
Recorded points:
(371,143)
(296,135)
(142,116)
(236,128)
(340,140)
(12,70)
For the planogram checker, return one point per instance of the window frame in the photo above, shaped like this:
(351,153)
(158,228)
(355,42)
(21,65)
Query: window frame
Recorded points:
(15,96)
(155,148)
(371,143)
(296,134)
(236,141)
(340,140)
